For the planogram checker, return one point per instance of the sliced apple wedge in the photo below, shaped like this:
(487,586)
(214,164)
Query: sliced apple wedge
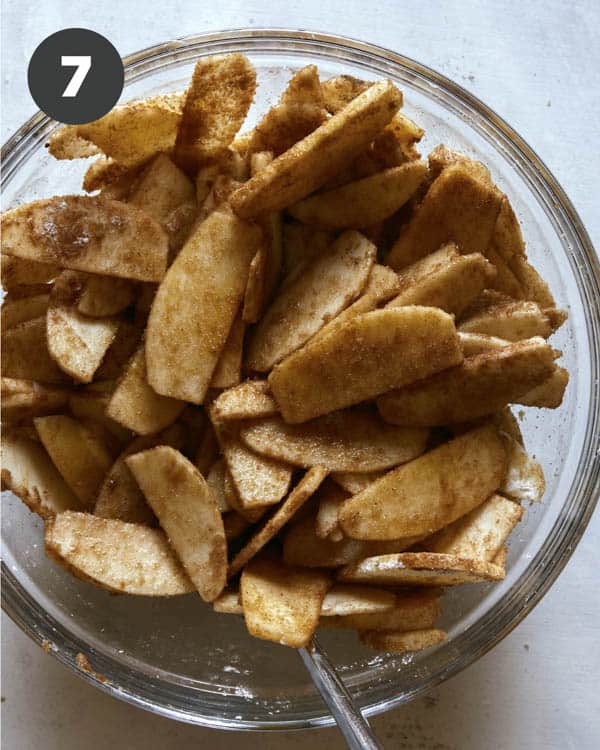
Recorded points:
(348,440)
(259,481)
(137,406)
(305,304)
(216,103)
(420,569)
(549,393)
(304,490)
(119,495)
(481,385)
(430,492)
(80,455)
(130,133)
(403,641)
(168,195)
(411,611)
(309,163)
(187,511)
(348,599)
(299,111)
(452,287)
(196,304)
(87,233)
(28,472)
(362,203)
(122,557)
(76,342)
(249,400)
(458,206)
(370,354)
(480,534)
(513,321)
(281,603)
(25,354)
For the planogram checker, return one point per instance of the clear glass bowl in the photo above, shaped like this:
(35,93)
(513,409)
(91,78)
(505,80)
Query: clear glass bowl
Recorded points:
(175,656)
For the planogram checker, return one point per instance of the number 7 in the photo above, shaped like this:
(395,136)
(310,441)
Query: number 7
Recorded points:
(83,63)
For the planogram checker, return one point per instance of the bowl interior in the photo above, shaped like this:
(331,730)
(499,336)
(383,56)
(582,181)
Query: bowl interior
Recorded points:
(175,655)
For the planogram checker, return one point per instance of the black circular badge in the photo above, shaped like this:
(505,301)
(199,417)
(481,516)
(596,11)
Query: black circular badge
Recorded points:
(75,76)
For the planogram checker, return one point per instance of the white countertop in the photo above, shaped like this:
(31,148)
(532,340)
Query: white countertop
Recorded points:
(537,63)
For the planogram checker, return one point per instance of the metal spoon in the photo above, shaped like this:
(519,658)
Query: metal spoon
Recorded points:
(352,724)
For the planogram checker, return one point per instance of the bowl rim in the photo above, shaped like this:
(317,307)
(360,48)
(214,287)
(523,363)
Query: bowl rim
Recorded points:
(44,629)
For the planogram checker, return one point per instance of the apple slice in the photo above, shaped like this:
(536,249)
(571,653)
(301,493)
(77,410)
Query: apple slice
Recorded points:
(480,385)
(28,472)
(362,203)
(76,342)
(119,495)
(216,103)
(368,355)
(130,133)
(403,641)
(307,302)
(299,111)
(458,206)
(513,321)
(168,195)
(258,480)
(411,611)
(430,492)
(348,440)
(87,233)
(122,557)
(480,534)
(304,490)
(79,454)
(196,304)
(249,400)
(136,406)
(187,510)
(420,569)
(281,603)
(309,163)
(348,599)
(25,354)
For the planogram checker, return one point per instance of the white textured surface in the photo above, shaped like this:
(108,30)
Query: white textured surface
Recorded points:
(537,63)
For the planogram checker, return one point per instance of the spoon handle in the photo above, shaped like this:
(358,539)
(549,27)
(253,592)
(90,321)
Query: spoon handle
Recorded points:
(355,728)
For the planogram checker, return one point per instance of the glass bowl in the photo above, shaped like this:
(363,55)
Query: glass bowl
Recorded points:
(178,658)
